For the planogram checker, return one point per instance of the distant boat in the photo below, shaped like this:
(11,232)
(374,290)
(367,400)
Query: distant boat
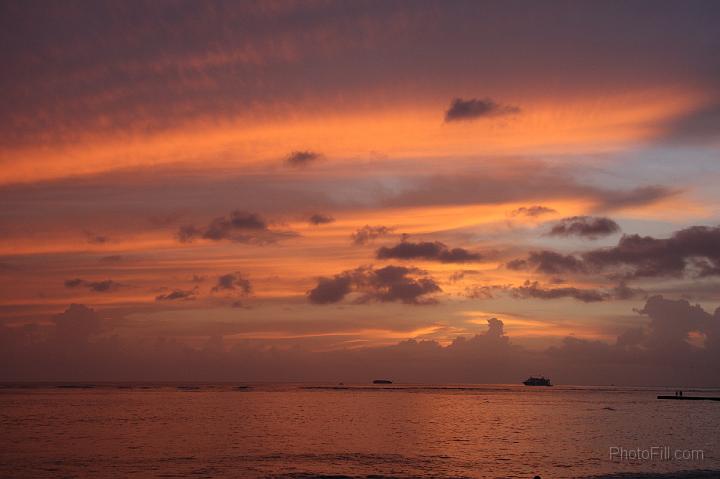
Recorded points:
(189,388)
(382,381)
(541,381)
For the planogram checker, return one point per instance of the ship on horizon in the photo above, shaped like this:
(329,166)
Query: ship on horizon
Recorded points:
(533,381)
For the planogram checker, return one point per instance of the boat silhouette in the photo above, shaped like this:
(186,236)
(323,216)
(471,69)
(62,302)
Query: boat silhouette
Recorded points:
(533,381)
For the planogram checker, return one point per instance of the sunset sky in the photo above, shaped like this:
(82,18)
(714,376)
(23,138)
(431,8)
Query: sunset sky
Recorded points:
(334,190)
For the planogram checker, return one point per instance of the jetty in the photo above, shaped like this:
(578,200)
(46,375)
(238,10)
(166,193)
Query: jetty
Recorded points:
(690,398)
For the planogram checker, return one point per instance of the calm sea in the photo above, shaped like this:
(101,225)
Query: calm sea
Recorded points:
(218,430)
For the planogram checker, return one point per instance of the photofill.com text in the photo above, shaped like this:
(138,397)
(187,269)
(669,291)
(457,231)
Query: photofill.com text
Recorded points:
(655,453)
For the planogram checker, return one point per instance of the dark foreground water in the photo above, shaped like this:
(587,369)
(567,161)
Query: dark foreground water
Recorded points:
(141,430)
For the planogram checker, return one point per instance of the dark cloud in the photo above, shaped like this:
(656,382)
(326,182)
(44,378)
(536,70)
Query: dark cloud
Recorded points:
(300,159)
(430,251)
(368,233)
(320,219)
(96,286)
(474,108)
(663,345)
(239,226)
(74,283)
(460,275)
(102,286)
(534,290)
(496,328)
(532,211)
(586,226)
(388,284)
(694,250)
(484,291)
(671,322)
(331,290)
(395,283)
(548,262)
(239,220)
(178,295)
(233,282)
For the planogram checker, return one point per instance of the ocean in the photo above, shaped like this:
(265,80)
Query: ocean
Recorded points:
(314,430)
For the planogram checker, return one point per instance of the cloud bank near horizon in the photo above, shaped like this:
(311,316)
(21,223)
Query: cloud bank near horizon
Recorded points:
(81,345)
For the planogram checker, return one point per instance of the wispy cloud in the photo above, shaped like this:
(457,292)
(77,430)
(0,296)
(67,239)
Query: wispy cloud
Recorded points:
(320,219)
(585,226)
(239,226)
(367,234)
(178,295)
(102,286)
(473,109)
(299,159)
(430,251)
(532,211)
(233,282)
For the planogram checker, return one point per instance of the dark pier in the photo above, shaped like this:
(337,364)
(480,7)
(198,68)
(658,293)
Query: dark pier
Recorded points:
(690,398)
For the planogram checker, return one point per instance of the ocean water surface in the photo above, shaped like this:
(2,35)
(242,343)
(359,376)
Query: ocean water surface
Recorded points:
(314,430)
